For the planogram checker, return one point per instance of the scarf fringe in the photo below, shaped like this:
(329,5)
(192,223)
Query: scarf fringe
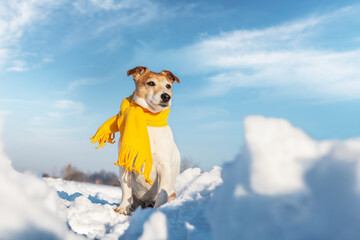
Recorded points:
(132,160)
(102,137)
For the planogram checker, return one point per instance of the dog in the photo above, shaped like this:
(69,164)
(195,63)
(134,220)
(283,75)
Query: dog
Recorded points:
(152,92)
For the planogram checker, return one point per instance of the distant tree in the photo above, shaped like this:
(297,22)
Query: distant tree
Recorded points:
(187,163)
(102,177)
(54,173)
(72,174)
(45,175)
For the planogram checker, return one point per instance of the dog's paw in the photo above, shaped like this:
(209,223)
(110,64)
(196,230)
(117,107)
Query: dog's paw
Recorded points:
(122,210)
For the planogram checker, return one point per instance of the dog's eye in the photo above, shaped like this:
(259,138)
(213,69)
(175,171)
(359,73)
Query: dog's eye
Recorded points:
(151,83)
(168,86)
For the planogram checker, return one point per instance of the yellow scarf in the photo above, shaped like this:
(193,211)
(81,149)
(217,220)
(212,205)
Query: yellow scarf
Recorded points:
(132,122)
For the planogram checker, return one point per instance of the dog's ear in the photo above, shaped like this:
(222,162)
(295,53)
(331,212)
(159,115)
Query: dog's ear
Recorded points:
(170,76)
(137,72)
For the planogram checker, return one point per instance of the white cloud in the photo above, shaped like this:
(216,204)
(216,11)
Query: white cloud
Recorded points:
(37,121)
(66,107)
(16,17)
(288,57)
(17,66)
(47,60)
(5,113)
(19,16)
(82,82)
(45,111)
(86,6)
(123,13)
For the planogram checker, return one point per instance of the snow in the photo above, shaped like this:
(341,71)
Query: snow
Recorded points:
(155,227)
(278,151)
(318,200)
(29,208)
(186,214)
(89,208)
(283,185)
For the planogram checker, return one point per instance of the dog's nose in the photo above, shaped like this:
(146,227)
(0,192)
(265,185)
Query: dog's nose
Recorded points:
(165,97)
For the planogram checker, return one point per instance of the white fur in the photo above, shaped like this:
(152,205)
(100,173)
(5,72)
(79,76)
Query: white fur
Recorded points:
(152,101)
(165,169)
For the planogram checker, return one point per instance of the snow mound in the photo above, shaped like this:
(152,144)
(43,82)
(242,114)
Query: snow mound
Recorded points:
(283,185)
(289,187)
(29,208)
(155,227)
(186,214)
(33,208)
(89,209)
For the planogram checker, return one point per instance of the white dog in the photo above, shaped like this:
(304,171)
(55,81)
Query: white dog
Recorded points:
(153,92)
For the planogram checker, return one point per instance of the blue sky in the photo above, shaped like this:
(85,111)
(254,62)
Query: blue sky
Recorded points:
(63,72)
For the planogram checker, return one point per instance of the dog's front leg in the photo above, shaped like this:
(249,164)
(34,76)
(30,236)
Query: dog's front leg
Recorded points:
(126,200)
(166,188)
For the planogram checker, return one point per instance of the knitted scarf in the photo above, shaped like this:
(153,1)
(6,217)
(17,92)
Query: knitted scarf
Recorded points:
(132,122)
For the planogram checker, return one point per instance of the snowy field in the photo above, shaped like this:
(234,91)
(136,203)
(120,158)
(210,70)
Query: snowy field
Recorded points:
(283,185)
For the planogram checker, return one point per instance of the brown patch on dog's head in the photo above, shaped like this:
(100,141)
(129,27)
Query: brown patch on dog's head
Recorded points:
(169,75)
(137,72)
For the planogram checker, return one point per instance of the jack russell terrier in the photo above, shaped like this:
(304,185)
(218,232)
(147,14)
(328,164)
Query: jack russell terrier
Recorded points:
(149,159)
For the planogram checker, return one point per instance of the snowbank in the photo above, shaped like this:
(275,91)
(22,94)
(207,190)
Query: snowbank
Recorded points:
(294,187)
(283,185)
(89,209)
(186,214)
(29,208)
